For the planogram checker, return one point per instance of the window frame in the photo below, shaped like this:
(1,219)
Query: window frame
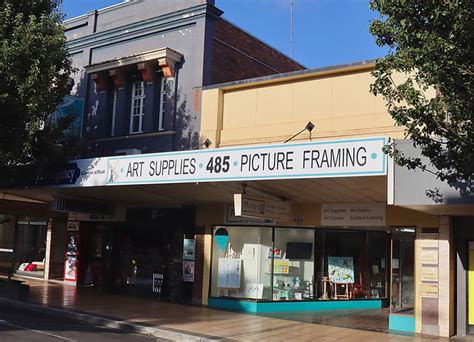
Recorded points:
(140,97)
(162,103)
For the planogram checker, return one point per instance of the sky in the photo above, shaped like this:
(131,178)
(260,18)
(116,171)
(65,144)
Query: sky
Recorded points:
(326,32)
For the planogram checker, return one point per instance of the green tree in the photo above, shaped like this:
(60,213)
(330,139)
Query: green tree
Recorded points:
(431,43)
(34,72)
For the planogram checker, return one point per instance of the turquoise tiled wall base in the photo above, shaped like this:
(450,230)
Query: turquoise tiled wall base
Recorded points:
(403,323)
(262,307)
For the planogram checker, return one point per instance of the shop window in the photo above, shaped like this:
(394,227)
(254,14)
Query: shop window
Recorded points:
(306,264)
(354,263)
(240,262)
(137,107)
(30,251)
(7,232)
(293,264)
(403,270)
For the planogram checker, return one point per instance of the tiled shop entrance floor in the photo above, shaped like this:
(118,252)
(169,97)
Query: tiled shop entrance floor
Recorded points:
(371,320)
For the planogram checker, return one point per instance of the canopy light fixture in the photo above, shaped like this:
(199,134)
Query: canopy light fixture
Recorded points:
(309,127)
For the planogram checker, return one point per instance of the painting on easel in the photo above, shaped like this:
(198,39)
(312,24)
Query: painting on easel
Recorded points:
(341,270)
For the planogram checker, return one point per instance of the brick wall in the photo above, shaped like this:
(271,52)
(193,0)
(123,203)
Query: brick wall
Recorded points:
(198,266)
(237,55)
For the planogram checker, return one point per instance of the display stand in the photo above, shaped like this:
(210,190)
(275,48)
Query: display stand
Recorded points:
(346,292)
(326,287)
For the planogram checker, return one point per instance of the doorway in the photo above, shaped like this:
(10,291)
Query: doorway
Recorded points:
(402,299)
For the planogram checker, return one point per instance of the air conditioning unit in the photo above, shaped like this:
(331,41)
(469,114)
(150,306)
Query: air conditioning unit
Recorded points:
(128,152)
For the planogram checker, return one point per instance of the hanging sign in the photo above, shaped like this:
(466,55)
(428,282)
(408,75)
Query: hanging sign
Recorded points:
(261,208)
(353,214)
(337,158)
(231,218)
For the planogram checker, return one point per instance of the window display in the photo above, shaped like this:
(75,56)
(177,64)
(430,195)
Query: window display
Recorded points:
(293,274)
(31,246)
(240,262)
(355,262)
(282,264)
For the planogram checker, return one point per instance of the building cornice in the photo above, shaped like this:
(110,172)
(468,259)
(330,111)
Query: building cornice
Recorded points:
(164,22)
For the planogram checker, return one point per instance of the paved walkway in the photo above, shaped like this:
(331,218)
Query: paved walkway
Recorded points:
(195,320)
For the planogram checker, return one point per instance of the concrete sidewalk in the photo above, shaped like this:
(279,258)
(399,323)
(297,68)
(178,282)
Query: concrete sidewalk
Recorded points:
(182,322)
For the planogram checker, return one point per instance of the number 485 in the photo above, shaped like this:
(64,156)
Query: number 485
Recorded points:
(218,164)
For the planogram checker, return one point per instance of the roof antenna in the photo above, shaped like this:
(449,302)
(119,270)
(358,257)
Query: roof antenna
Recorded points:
(291,26)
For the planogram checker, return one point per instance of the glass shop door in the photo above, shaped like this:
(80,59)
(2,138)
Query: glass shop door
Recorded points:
(402,299)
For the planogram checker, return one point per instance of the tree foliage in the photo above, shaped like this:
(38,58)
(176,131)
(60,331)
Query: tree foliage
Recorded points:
(431,44)
(34,72)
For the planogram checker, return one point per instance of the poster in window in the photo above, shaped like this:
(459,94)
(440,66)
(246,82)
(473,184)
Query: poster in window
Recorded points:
(188,271)
(341,269)
(70,269)
(189,249)
(228,273)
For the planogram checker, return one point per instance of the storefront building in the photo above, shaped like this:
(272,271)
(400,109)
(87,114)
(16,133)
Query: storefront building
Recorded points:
(340,221)
(274,226)
(272,214)
(140,69)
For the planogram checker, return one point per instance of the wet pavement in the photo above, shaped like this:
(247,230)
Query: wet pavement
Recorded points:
(210,323)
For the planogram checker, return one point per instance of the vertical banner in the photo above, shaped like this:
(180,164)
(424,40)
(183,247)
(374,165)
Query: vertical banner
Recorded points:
(72,253)
(188,271)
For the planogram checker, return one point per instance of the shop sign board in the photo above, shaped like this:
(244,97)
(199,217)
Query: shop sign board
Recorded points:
(429,256)
(336,158)
(261,208)
(429,290)
(429,240)
(353,214)
(429,273)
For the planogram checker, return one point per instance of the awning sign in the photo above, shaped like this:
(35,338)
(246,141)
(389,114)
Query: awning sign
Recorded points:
(339,158)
